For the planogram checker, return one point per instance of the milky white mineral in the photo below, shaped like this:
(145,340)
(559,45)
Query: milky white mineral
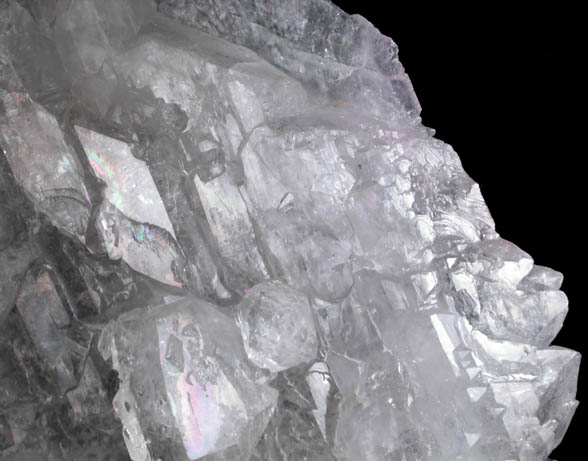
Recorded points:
(226,234)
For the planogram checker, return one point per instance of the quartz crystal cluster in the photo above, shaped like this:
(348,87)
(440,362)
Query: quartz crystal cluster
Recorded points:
(226,235)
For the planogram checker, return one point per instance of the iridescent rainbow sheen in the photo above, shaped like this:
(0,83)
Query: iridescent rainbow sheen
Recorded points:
(105,171)
(198,405)
(130,187)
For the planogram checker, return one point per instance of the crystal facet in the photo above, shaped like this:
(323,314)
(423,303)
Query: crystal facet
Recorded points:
(226,234)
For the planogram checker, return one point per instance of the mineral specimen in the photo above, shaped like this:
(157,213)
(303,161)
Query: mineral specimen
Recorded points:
(204,398)
(225,234)
(277,327)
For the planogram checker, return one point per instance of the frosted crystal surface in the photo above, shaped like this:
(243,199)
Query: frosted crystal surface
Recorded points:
(204,398)
(34,140)
(277,326)
(226,234)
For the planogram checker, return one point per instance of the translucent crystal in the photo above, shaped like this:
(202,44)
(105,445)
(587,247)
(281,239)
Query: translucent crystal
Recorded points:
(202,397)
(147,249)
(43,315)
(132,220)
(226,235)
(129,186)
(277,326)
(44,163)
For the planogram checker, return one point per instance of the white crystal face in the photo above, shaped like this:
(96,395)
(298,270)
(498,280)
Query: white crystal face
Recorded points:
(202,385)
(277,326)
(226,235)
(34,140)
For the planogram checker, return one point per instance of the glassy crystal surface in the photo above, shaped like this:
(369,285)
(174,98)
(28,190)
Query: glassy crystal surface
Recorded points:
(205,399)
(277,326)
(226,234)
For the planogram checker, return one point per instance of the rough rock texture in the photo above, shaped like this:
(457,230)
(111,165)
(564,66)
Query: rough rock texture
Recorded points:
(225,234)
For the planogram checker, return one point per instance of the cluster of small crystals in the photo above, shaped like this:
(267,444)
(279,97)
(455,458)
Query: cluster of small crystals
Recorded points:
(226,235)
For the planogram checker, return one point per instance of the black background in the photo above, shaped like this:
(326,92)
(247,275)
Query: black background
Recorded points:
(503,87)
